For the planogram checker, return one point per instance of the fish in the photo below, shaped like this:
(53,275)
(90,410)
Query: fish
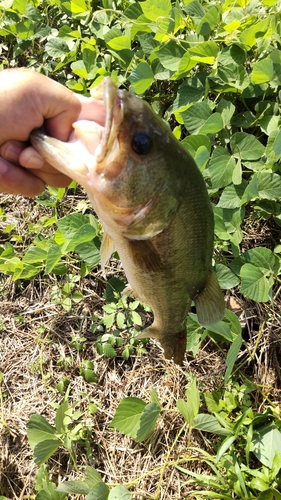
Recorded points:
(152,201)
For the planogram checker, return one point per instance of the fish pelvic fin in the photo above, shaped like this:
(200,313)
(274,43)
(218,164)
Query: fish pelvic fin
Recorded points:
(209,302)
(174,344)
(129,292)
(145,255)
(106,250)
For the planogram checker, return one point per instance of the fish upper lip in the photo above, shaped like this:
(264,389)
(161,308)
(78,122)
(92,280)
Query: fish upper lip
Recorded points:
(110,95)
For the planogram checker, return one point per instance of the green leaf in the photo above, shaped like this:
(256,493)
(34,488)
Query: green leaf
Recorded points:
(204,52)
(277,145)
(269,185)
(120,320)
(60,415)
(221,168)
(249,35)
(135,318)
(84,234)
(71,224)
(93,476)
(196,116)
(119,492)
(154,397)
(255,284)
(193,143)
(265,443)
(170,55)
(261,257)
(209,423)
(232,195)
(99,492)
(212,125)
(246,146)
(109,351)
(78,6)
(184,409)
(89,252)
(127,416)
(74,487)
(262,71)
(35,255)
(232,356)
(141,77)
(39,429)
(56,48)
(227,279)
(153,9)
(114,287)
(45,449)
(209,21)
(193,398)
(120,43)
(226,110)
(147,421)
(54,255)
(227,442)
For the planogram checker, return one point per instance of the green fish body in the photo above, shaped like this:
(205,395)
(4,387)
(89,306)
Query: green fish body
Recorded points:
(153,204)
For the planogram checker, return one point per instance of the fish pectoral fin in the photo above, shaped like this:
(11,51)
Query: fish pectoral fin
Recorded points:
(174,344)
(145,255)
(106,250)
(129,292)
(209,302)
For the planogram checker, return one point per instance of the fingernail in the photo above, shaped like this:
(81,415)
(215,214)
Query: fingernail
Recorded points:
(12,152)
(34,162)
(3,166)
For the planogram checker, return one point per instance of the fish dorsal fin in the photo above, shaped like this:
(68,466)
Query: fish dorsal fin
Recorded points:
(174,344)
(106,250)
(145,255)
(209,302)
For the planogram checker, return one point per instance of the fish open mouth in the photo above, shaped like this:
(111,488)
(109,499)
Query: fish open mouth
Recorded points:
(91,158)
(91,139)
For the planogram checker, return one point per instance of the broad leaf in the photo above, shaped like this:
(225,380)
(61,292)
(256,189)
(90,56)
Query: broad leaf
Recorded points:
(265,443)
(255,284)
(119,492)
(45,449)
(127,416)
(209,423)
(148,420)
(246,146)
(141,77)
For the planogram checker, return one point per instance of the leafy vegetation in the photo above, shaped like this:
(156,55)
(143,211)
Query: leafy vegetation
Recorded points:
(212,70)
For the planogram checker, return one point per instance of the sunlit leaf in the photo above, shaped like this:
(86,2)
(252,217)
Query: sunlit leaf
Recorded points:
(147,422)
(262,71)
(265,443)
(141,77)
(153,9)
(255,284)
(209,423)
(127,416)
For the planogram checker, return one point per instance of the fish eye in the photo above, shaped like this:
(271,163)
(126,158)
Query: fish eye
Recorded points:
(141,143)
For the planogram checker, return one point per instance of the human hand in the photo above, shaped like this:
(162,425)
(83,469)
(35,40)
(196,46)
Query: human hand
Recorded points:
(27,100)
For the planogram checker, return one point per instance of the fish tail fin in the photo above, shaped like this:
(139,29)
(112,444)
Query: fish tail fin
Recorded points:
(174,344)
(209,302)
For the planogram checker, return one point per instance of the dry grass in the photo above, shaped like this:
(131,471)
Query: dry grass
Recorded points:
(35,334)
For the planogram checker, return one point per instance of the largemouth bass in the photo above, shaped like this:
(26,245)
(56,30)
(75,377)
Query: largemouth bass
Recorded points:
(154,207)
